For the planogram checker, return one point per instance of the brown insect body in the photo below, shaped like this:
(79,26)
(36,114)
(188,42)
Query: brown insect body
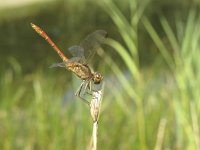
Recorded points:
(74,64)
(81,70)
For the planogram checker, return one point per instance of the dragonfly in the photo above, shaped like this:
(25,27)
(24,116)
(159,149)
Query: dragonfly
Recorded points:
(81,53)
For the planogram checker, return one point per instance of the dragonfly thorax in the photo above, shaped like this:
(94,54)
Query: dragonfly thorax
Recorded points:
(97,78)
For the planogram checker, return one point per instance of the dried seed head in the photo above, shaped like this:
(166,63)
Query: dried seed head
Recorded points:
(95,105)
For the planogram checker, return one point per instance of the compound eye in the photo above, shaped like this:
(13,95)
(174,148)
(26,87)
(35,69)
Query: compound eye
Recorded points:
(97,78)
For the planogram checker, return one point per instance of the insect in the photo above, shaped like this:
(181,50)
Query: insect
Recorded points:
(81,54)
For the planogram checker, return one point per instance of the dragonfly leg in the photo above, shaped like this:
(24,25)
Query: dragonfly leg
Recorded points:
(79,89)
(88,88)
(78,93)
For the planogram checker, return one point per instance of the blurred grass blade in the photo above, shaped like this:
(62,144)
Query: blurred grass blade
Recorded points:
(160,134)
(170,34)
(128,33)
(195,124)
(15,65)
(130,62)
(127,85)
(157,40)
(188,33)
(137,9)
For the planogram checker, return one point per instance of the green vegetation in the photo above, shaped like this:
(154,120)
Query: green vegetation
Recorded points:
(144,107)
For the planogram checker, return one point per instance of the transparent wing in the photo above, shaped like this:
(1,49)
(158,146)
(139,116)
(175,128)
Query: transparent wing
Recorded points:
(66,63)
(77,53)
(62,64)
(92,42)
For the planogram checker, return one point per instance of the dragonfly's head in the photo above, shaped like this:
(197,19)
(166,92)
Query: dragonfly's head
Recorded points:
(97,77)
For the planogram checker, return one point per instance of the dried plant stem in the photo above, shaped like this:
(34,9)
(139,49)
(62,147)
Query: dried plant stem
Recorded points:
(94,111)
(94,135)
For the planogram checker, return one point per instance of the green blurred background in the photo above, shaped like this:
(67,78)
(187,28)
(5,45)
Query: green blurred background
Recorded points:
(151,71)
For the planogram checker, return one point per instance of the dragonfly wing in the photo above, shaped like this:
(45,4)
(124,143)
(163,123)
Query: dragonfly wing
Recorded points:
(92,42)
(62,64)
(80,60)
(76,51)
(70,61)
